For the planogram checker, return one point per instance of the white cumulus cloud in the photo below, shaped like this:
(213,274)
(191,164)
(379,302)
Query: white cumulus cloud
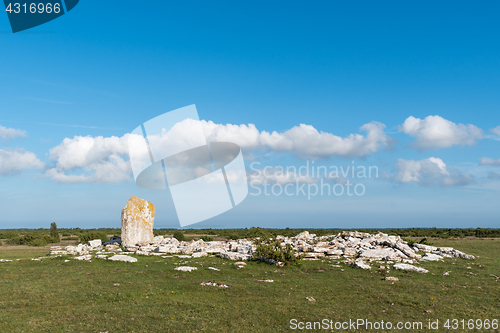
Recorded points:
(489,161)
(430,171)
(105,159)
(86,159)
(304,140)
(15,161)
(495,131)
(436,132)
(11,133)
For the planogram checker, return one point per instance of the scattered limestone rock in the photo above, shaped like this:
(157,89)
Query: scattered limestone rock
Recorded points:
(214,269)
(122,257)
(185,268)
(235,256)
(407,267)
(245,249)
(87,257)
(184,256)
(379,253)
(361,264)
(95,243)
(199,254)
(213,284)
(137,222)
(169,248)
(391,278)
(431,257)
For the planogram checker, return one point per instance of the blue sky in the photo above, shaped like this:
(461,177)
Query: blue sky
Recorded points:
(101,70)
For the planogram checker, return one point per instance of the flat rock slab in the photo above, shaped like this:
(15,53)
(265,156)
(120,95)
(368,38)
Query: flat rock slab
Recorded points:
(235,256)
(95,243)
(362,264)
(122,257)
(391,278)
(199,254)
(381,253)
(432,257)
(85,257)
(213,284)
(408,267)
(185,268)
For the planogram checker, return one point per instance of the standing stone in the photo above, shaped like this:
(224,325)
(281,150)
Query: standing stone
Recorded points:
(137,222)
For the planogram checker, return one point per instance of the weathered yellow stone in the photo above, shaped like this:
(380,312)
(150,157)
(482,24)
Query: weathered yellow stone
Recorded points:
(137,222)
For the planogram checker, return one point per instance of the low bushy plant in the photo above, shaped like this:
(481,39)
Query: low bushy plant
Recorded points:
(206,238)
(424,241)
(409,241)
(29,240)
(87,236)
(273,250)
(179,235)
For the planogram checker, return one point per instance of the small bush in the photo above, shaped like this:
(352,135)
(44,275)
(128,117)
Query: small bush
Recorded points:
(87,236)
(29,240)
(66,234)
(179,235)
(70,238)
(273,250)
(206,238)
(50,239)
(424,241)
(234,237)
(409,241)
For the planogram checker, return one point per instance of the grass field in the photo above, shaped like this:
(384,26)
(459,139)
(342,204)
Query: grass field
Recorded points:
(57,296)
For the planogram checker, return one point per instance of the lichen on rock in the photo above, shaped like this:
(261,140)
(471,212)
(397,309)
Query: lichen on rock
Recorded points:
(137,222)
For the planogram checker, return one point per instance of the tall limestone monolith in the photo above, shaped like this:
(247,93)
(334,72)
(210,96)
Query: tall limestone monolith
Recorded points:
(138,218)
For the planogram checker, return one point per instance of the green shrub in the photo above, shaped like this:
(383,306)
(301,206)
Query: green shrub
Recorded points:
(234,237)
(179,235)
(409,241)
(87,236)
(66,234)
(29,240)
(273,250)
(50,239)
(206,238)
(424,241)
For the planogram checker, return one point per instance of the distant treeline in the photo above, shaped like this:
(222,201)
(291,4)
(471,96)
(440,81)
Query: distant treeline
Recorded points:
(40,237)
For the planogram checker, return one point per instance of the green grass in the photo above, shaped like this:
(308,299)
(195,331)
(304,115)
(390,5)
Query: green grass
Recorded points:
(54,296)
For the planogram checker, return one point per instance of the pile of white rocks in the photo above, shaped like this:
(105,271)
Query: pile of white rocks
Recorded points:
(356,248)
